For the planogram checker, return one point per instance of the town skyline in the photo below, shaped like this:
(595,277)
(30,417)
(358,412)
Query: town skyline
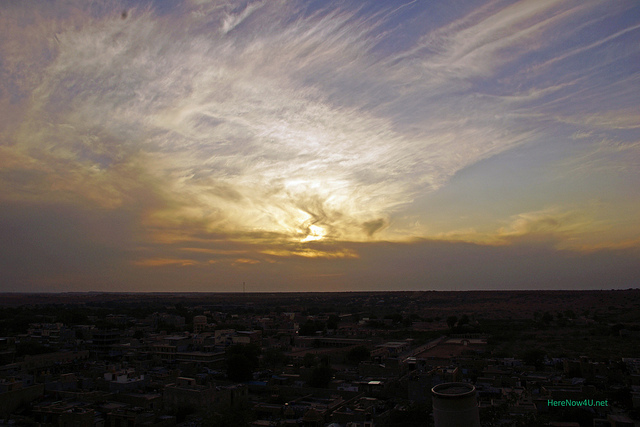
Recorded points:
(158,146)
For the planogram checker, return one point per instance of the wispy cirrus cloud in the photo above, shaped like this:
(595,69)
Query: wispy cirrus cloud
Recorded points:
(285,124)
(556,225)
(236,127)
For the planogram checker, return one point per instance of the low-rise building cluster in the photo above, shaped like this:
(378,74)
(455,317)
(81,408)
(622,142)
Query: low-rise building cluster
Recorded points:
(167,370)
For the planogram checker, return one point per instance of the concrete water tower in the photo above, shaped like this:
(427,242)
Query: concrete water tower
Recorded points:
(455,405)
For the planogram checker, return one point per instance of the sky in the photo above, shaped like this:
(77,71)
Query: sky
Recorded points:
(197,145)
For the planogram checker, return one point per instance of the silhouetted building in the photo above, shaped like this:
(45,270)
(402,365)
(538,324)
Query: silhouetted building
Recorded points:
(199,324)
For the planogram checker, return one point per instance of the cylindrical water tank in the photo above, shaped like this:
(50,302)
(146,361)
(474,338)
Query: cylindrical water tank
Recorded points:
(455,405)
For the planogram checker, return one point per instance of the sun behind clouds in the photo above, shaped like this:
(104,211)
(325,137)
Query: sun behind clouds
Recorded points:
(271,136)
(315,233)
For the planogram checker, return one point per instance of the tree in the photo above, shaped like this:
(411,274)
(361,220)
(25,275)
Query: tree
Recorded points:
(310,327)
(413,415)
(464,320)
(332,322)
(535,357)
(321,376)
(395,317)
(309,360)
(229,417)
(358,354)
(242,361)
(408,321)
(273,357)
(182,412)
(451,321)
(32,348)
